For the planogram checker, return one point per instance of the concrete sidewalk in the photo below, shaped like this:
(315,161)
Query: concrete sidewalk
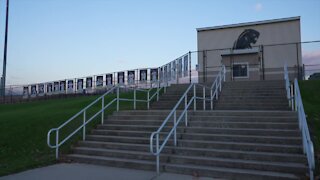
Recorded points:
(93,172)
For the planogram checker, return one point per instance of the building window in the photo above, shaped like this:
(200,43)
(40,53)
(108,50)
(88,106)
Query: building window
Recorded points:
(240,70)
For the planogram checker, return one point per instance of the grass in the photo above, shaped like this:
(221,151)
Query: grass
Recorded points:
(311,101)
(24,127)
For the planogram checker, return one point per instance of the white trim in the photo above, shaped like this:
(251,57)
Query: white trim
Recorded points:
(241,77)
(249,23)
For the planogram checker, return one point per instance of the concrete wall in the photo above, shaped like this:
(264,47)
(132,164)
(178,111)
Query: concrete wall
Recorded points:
(272,57)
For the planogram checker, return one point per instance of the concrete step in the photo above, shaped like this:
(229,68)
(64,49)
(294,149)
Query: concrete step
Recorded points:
(227,173)
(294,168)
(133,127)
(244,131)
(241,146)
(184,149)
(117,153)
(267,113)
(254,125)
(122,146)
(132,118)
(256,103)
(205,137)
(256,147)
(123,139)
(114,162)
(243,138)
(251,107)
(251,97)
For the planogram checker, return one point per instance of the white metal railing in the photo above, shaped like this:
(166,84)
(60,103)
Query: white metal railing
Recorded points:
(303,125)
(214,91)
(87,120)
(295,101)
(289,88)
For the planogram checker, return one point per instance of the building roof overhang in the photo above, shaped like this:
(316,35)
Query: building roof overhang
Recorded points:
(249,24)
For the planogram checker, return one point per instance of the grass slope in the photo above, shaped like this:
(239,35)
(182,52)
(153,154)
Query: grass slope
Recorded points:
(24,127)
(310,92)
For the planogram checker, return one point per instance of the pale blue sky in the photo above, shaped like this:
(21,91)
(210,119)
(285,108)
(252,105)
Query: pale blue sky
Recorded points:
(57,39)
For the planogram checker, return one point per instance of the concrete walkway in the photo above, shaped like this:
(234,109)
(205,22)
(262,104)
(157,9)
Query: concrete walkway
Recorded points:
(93,172)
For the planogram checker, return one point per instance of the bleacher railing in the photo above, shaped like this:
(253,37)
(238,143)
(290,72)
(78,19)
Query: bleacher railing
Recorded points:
(214,91)
(104,107)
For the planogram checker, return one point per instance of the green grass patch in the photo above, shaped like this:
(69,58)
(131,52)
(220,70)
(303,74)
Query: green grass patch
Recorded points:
(24,128)
(310,92)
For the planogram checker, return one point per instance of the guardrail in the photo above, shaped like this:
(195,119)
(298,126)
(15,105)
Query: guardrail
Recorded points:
(87,120)
(303,125)
(214,91)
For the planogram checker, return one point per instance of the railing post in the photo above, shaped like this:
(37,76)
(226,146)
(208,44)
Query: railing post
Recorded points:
(211,99)
(185,107)
(158,91)
(57,143)
(158,154)
(134,99)
(291,97)
(175,129)
(295,97)
(118,98)
(194,98)
(204,98)
(102,113)
(217,91)
(220,82)
(224,73)
(148,100)
(84,126)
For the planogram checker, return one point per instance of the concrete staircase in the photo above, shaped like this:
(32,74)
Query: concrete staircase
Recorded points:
(253,95)
(250,142)
(168,100)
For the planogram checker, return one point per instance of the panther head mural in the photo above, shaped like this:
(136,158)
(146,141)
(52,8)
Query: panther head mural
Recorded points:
(246,38)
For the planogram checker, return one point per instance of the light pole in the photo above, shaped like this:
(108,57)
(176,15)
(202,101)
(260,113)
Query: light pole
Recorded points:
(3,79)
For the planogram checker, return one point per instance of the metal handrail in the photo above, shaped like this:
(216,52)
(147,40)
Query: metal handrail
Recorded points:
(288,86)
(103,108)
(303,125)
(184,113)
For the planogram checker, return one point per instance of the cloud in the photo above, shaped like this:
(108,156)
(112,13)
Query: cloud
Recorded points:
(258,7)
(311,60)
(311,57)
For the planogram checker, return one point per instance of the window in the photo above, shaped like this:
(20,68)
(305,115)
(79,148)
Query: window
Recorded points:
(240,70)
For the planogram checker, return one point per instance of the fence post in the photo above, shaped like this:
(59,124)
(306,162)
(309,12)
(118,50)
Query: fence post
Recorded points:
(185,107)
(148,100)
(292,98)
(102,107)
(211,99)
(118,98)
(190,67)
(175,129)
(134,99)
(84,126)
(158,91)
(194,98)
(204,98)
(57,143)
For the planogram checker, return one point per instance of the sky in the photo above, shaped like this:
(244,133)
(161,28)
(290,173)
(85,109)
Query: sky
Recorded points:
(59,39)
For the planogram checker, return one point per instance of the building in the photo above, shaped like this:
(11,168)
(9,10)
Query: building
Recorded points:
(251,51)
